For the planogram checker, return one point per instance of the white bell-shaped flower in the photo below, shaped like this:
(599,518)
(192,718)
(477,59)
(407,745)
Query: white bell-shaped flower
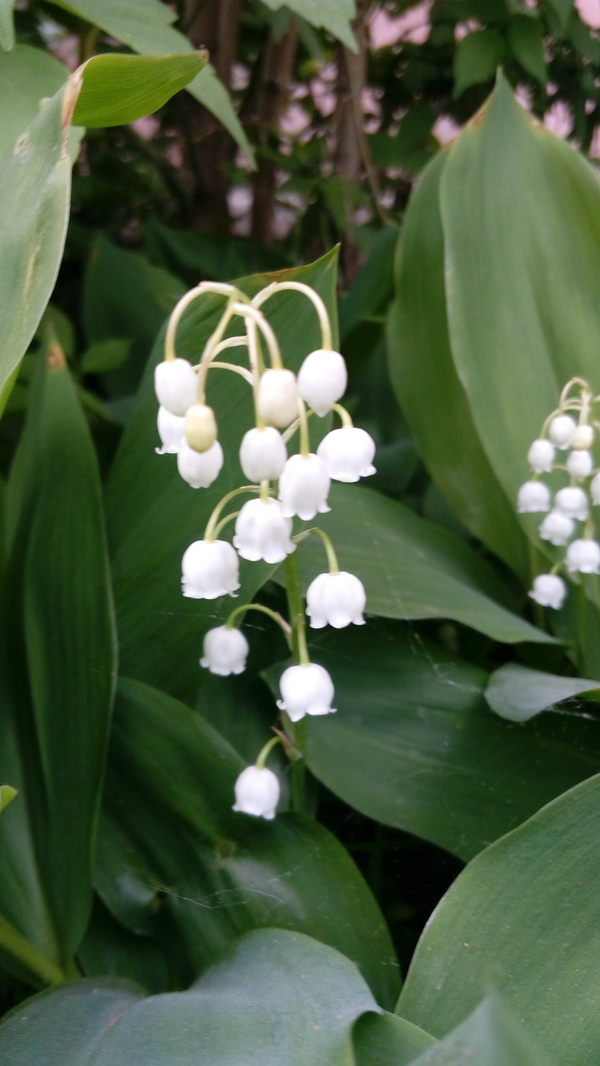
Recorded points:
(561,430)
(305,689)
(176,385)
(549,591)
(580,463)
(583,556)
(257,792)
(225,651)
(304,486)
(348,453)
(322,380)
(209,569)
(277,397)
(533,496)
(200,469)
(262,454)
(583,437)
(263,532)
(557,528)
(572,502)
(595,488)
(337,600)
(171,430)
(541,456)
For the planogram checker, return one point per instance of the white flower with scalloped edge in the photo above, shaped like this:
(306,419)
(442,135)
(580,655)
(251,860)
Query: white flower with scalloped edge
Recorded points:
(305,689)
(322,380)
(572,502)
(171,430)
(533,496)
(580,463)
(200,469)
(541,456)
(225,651)
(337,600)
(348,453)
(561,430)
(263,532)
(583,556)
(304,486)
(176,385)
(210,568)
(557,528)
(549,590)
(262,454)
(257,792)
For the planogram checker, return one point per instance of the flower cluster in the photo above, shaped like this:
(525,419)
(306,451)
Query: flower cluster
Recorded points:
(565,444)
(283,486)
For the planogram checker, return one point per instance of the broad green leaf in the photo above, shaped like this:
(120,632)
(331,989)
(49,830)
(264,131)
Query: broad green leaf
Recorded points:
(387,1040)
(491,1036)
(521,218)
(526,912)
(27,75)
(193,254)
(60,651)
(563,10)
(335,16)
(7,28)
(118,89)
(427,384)
(153,515)
(278,997)
(526,42)
(7,794)
(518,693)
(411,568)
(476,58)
(146,26)
(175,862)
(106,355)
(413,744)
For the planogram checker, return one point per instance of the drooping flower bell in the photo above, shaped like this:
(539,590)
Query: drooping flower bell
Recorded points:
(305,689)
(225,651)
(209,569)
(277,397)
(322,380)
(171,430)
(533,496)
(257,792)
(337,600)
(557,528)
(549,590)
(580,463)
(176,385)
(200,469)
(348,453)
(262,454)
(263,532)
(561,430)
(583,556)
(572,502)
(304,487)
(541,456)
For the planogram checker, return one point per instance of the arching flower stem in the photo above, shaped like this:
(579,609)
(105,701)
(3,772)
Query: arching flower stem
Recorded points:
(317,302)
(239,614)
(215,287)
(213,522)
(265,752)
(332,559)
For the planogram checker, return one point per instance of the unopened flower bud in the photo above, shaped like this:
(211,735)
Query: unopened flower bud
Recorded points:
(262,454)
(549,591)
(200,427)
(277,400)
(583,437)
(561,429)
(176,385)
(580,463)
(322,380)
(541,456)
(533,496)
(257,792)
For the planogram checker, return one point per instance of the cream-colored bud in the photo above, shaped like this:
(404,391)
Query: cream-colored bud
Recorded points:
(200,427)
(583,437)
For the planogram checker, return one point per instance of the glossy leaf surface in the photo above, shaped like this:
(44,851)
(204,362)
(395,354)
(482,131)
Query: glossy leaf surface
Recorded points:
(335,16)
(118,89)
(385,1039)
(518,693)
(491,1036)
(525,910)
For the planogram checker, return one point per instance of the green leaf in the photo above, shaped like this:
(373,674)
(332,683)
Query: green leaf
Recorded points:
(153,515)
(426,755)
(491,1036)
(383,1039)
(526,912)
(428,387)
(105,356)
(59,653)
(525,38)
(146,26)
(7,27)
(563,9)
(117,89)
(7,794)
(169,822)
(411,568)
(26,76)
(255,1007)
(476,58)
(335,16)
(518,693)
